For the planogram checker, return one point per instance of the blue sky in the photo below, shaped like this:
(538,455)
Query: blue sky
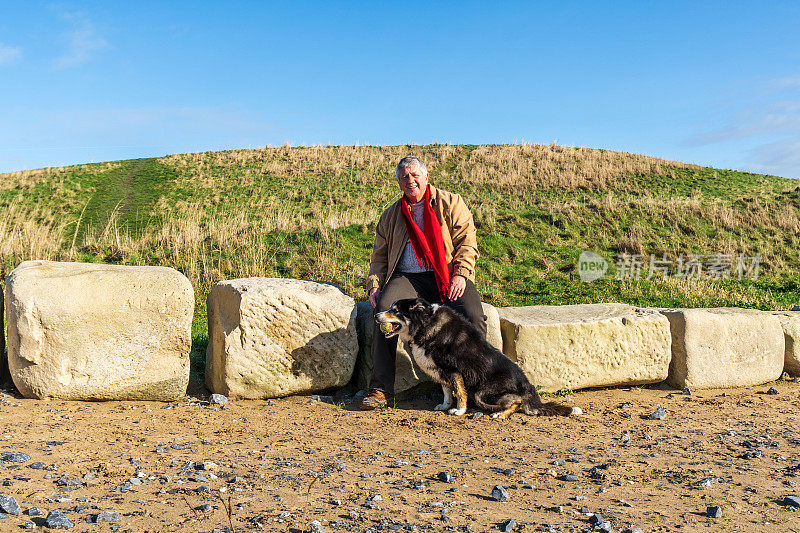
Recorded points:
(714,83)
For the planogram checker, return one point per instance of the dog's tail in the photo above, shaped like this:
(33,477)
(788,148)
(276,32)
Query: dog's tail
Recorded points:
(534,406)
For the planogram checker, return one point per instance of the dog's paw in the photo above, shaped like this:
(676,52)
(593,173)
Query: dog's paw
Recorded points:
(457,412)
(577,411)
(495,415)
(442,407)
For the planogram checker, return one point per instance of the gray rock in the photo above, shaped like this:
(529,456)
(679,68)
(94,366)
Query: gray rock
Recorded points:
(508,525)
(772,390)
(714,511)
(445,477)
(206,507)
(792,501)
(38,465)
(570,477)
(218,399)
(9,505)
(58,520)
(596,519)
(322,398)
(34,511)
(316,527)
(687,391)
(16,457)
(499,493)
(107,516)
(659,414)
(475,415)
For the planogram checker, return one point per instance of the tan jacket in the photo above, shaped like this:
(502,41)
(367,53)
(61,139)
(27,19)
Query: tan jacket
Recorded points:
(458,234)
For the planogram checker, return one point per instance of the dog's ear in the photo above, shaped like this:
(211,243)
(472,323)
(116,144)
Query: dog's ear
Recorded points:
(420,305)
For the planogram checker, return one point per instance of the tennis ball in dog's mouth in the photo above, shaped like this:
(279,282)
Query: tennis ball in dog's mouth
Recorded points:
(386,327)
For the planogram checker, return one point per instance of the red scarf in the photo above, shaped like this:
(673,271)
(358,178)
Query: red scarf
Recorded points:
(428,246)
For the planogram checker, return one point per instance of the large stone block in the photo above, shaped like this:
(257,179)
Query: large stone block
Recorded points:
(5,375)
(85,331)
(589,345)
(790,322)
(407,374)
(270,337)
(724,347)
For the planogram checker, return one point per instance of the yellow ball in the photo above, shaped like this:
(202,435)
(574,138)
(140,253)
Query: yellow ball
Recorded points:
(386,327)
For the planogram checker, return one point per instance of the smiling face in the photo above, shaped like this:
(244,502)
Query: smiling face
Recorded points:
(413,182)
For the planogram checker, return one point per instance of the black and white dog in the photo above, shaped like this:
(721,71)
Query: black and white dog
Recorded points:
(447,347)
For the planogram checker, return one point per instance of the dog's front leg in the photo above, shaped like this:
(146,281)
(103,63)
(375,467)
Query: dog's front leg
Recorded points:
(447,403)
(460,392)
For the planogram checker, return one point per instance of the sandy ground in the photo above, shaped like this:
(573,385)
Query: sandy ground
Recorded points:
(279,465)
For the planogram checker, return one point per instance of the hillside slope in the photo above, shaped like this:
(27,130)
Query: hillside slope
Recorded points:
(309,212)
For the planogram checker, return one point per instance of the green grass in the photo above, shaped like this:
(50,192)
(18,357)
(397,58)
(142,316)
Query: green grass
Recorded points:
(127,194)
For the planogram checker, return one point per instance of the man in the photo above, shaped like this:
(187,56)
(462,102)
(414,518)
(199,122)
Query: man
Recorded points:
(425,246)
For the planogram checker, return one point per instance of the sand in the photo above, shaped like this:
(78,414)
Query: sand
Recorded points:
(279,465)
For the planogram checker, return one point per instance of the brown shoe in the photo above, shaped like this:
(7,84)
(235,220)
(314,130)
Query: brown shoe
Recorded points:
(376,399)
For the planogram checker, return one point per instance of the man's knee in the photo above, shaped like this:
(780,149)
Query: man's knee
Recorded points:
(384,302)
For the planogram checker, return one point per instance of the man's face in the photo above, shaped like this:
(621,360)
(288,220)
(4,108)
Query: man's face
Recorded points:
(413,182)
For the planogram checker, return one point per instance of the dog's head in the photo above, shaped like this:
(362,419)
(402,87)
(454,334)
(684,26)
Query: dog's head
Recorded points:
(397,320)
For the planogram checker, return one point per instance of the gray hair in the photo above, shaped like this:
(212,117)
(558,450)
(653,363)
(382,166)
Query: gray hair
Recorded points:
(410,161)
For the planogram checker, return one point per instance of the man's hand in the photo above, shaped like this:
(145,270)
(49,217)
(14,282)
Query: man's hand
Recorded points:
(374,294)
(457,286)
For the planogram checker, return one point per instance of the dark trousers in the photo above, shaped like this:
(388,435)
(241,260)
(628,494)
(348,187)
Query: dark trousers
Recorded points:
(421,285)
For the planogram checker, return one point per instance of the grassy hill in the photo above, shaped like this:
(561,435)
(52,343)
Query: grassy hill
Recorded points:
(309,212)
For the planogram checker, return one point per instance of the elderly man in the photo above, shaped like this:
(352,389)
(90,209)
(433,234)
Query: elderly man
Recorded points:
(425,246)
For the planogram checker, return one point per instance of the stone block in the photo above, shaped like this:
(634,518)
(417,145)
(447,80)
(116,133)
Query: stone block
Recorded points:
(86,331)
(271,337)
(790,322)
(724,347)
(587,345)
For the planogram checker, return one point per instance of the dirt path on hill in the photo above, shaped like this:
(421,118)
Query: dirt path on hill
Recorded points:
(128,193)
(284,463)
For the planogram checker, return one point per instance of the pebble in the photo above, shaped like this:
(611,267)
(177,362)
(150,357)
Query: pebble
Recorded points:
(107,516)
(58,520)
(792,501)
(8,504)
(218,399)
(15,457)
(596,519)
(323,399)
(508,525)
(475,415)
(316,527)
(499,493)
(659,414)
(686,391)
(37,465)
(34,511)
(714,511)
(445,477)
(570,477)
(771,390)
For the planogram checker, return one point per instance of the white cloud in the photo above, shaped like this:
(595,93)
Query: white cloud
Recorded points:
(82,41)
(9,54)
(766,127)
